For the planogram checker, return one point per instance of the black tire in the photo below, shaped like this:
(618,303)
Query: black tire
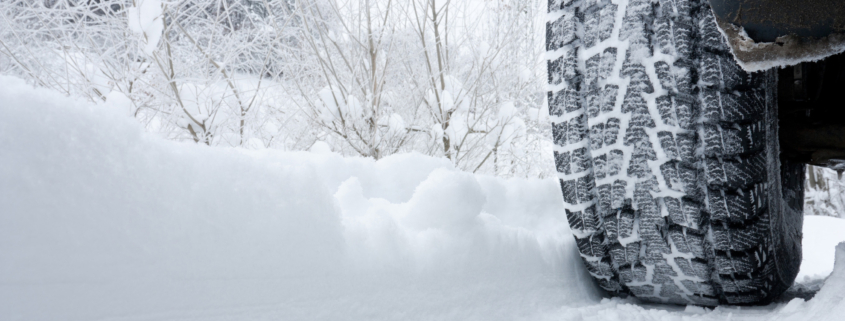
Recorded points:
(667,154)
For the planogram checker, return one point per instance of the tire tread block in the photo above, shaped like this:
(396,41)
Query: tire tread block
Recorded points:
(736,172)
(733,238)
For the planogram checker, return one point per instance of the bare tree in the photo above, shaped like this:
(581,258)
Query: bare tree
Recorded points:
(478,93)
(353,93)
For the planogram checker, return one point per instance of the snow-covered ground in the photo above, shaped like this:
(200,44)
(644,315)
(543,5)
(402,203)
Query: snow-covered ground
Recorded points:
(821,234)
(100,221)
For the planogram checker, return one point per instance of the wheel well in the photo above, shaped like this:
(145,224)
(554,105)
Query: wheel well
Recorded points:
(811,112)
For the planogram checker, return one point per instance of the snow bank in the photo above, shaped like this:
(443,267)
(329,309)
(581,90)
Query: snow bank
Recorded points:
(829,303)
(99,220)
(821,234)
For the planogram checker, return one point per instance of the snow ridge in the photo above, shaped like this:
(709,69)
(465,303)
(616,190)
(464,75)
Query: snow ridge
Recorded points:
(101,221)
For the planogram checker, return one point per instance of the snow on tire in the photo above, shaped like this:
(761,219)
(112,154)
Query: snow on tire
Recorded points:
(667,155)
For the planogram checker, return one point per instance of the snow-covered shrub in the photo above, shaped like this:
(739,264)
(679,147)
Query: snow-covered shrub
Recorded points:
(202,70)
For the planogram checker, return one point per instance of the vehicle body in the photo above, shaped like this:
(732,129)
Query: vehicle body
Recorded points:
(771,33)
(805,39)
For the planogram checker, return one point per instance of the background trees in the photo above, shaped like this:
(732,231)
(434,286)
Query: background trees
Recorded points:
(455,79)
(824,192)
(207,71)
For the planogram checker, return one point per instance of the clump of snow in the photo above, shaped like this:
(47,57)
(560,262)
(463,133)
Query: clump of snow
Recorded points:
(396,124)
(145,20)
(457,129)
(328,104)
(99,220)
(437,130)
(333,105)
(513,126)
(320,147)
(119,100)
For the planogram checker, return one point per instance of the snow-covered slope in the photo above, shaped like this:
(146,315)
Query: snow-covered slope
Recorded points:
(100,221)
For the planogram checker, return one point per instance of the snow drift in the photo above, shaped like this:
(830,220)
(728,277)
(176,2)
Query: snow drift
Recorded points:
(99,220)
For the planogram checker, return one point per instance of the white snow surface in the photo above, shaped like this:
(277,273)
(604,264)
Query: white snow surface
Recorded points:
(101,221)
(821,234)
